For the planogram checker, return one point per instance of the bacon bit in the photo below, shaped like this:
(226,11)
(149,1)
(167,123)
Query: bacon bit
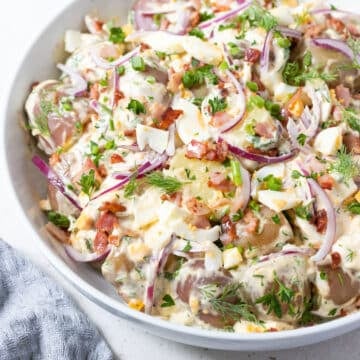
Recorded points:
(174,83)
(314,31)
(270,152)
(252,55)
(106,222)
(220,119)
(94,92)
(343,95)
(272,329)
(201,222)
(337,113)
(196,150)
(197,207)
(144,47)
(252,222)
(195,19)
(175,198)
(228,227)
(168,118)
(98,25)
(116,158)
(343,312)
(54,159)
(112,207)
(335,24)
(335,260)
(353,30)
(326,181)
(130,132)
(100,242)
(352,143)
(219,182)
(221,7)
(119,95)
(357,303)
(102,171)
(264,130)
(321,221)
(114,240)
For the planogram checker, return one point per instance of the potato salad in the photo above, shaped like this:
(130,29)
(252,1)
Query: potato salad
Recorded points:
(205,157)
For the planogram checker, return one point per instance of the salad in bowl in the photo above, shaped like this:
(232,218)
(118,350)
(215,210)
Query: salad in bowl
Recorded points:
(204,157)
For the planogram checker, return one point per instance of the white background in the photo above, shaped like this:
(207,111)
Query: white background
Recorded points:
(21,21)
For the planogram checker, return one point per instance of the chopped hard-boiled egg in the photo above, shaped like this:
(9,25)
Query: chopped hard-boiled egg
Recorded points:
(329,141)
(279,200)
(156,139)
(231,258)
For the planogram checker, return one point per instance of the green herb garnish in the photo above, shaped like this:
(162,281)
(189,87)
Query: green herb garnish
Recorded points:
(136,107)
(88,183)
(58,220)
(217,104)
(168,301)
(166,183)
(117,35)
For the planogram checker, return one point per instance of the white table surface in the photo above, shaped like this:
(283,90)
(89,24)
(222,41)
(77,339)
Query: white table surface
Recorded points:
(21,21)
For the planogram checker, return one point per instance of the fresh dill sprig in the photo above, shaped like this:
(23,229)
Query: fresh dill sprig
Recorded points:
(131,187)
(88,182)
(227,303)
(41,121)
(352,119)
(167,183)
(345,165)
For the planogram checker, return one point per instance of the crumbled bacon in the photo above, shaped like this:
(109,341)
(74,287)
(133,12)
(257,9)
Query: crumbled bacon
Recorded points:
(205,151)
(168,118)
(100,242)
(251,221)
(106,222)
(343,95)
(270,152)
(94,92)
(264,130)
(228,228)
(175,80)
(197,207)
(321,221)
(335,24)
(119,95)
(113,207)
(130,132)
(116,158)
(219,182)
(174,197)
(335,260)
(314,30)
(201,222)
(326,181)
(252,55)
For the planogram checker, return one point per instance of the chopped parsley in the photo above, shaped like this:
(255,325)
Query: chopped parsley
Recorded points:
(323,275)
(197,77)
(271,182)
(168,301)
(120,70)
(303,212)
(255,206)
(237,216)
(167,183)
(58,220)
(198,33)
(276,219)
(354,207)
(138,63)
(217,105)
(117,35)
(88,183)
(136,107)
(301,138)
(204,16)
(187,247)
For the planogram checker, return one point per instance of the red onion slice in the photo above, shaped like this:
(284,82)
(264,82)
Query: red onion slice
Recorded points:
(156,268)
(86,258)
(265,54)
(229,14)
(330,234)
(328,11)
(233,122)
(79,83)
(55,180)
(260,158)
(102,63)
(296,34)
(336,45)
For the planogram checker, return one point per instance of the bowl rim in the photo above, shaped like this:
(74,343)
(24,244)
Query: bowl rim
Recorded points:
(351,321)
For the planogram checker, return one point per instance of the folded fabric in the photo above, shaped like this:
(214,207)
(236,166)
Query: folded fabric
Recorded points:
(38,320)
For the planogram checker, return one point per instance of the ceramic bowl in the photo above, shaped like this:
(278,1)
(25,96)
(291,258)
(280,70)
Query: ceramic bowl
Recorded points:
(29,186)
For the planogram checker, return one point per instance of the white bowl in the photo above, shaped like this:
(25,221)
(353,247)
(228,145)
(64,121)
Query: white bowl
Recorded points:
(29,185)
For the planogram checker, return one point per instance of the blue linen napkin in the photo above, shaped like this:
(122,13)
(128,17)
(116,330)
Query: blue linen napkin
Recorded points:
(38,320)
